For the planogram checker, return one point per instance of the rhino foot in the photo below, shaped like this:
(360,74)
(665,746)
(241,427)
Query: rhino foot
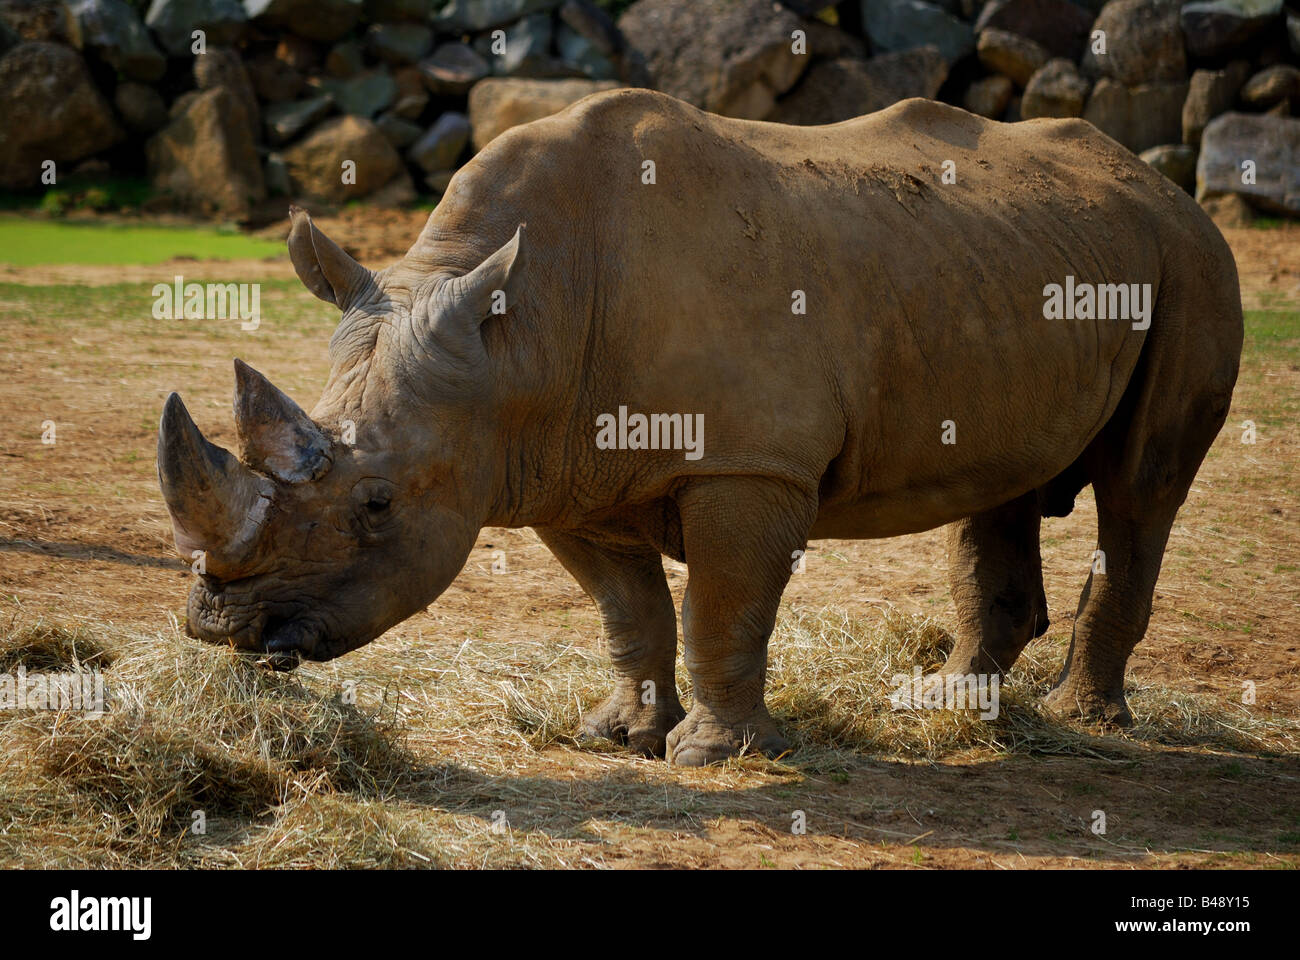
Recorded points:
(704,738)
(625,720)
(1078,702)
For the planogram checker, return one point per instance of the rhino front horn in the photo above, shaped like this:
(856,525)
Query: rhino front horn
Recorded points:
(275,435)
(217,504)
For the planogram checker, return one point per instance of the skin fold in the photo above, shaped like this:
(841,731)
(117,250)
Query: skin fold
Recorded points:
(556,283)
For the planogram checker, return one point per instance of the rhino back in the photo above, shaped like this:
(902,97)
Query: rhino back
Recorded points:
(924,298)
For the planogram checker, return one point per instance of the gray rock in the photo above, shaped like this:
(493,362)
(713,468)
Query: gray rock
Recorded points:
(115,33)
(399,43)
(321,20)
(1144,42)
(1271,86)
(345,59)
(298,52)
(989,97)
(499,103)
(471,16)
(1140,117)
(381,11)
(1271,143)
(274,79)
(1209,94)
(316,163)
(140,106)
(581,52)
(1217,28)
(1060,26)
(363,95)
(528,48)
(835,90)
(275,172)
(896,25)
(400,132)
(51,111)
(1293,33)
(453,68)
(286,120)
(1055,90)
(222,67)
(1177,161)
(732,57)
(174,22)
(1011,54)
(442,143)
(205,158)
(412,97)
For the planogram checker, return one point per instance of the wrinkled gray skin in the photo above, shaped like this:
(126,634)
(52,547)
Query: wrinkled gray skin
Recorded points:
(925,304)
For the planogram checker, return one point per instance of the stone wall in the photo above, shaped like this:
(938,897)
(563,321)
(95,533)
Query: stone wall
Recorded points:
(230,107)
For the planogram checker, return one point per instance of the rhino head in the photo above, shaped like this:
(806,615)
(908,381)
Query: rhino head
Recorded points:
(329,528)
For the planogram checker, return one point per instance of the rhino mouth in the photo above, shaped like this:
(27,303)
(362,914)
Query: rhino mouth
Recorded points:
(285,636)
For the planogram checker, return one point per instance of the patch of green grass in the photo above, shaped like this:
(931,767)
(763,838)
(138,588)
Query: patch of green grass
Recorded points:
(26,242)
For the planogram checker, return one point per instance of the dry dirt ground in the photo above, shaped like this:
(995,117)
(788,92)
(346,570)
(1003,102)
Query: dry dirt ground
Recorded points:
(84,539)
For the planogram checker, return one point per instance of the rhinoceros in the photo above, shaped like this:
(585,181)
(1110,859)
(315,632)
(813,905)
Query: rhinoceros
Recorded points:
(860,319)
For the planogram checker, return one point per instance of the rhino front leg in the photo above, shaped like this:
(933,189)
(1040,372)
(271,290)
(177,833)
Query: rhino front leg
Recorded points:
(640,625)
(995,573)
(739,535)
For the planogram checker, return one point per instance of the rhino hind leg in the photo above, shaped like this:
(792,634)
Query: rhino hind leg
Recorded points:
(995,573)
(1141,466)
(640,626)
(740,534)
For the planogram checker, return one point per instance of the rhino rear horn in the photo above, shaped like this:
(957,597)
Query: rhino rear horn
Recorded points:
(275,435)
(322,265)
(217,504)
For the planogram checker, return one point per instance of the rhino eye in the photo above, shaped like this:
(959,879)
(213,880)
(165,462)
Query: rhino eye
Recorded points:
(377,504)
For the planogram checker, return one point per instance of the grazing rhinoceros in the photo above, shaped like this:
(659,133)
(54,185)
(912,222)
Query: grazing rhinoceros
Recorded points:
(511,377)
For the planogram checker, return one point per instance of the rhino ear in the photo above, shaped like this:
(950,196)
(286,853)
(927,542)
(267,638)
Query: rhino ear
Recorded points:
(495,285)
(322,265)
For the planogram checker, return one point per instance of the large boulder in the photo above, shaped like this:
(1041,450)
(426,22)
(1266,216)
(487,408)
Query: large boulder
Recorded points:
(732,57)
(989,96)
(174,22)
(36,20)
(1060,26)
(835,90)
(453,68)
(399,43)
(499,103)
(322,20)
(1056,90)
(364,95)
(140,106)
(471,16)
(1216,28)
(1270,143)
(896,25)
(316,163)
(223,67)
(1144,42)
(51,111)
(442,144)
(1011,54)
(1177,161)
(1271,86)
(1209,94)
(117,35)
(286,120)
(205,159)
(1139,117)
